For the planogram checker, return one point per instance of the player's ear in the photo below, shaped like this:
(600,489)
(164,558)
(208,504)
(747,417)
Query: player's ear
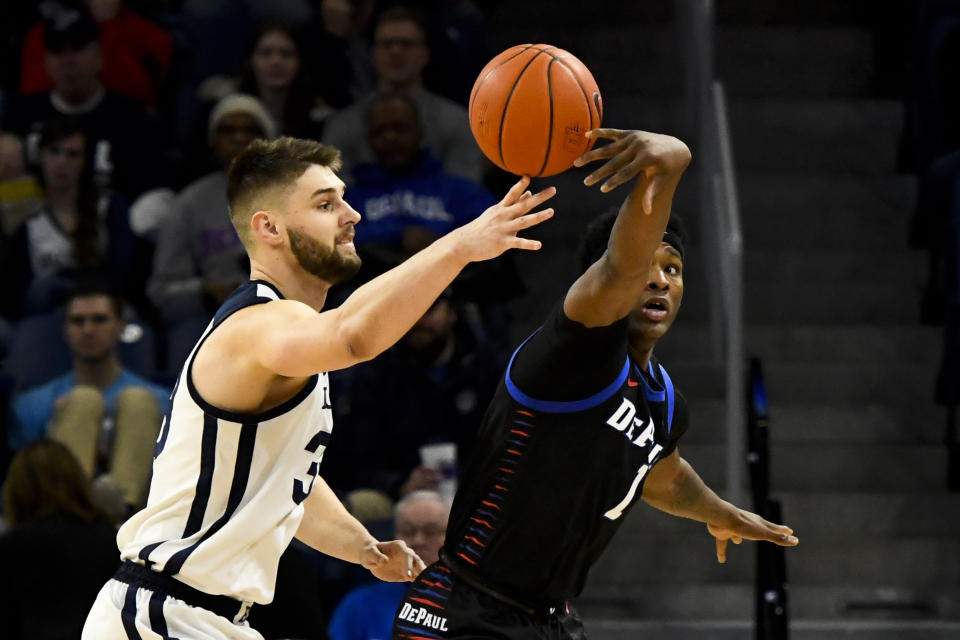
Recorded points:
(266,226)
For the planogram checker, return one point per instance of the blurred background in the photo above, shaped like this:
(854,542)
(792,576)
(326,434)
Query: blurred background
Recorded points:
(818,344)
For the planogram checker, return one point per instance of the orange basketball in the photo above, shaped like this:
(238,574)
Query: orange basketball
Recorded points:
(530,108)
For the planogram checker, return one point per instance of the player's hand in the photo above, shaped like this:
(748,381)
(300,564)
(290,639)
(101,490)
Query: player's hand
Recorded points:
(391,561)
(653,156)
(746,525)
(495,231)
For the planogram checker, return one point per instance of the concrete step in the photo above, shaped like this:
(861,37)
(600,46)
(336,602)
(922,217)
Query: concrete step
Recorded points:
(806,606)
(568,13)
(792,61)
(814,303)
(822,383)
(828,204)
(820,515)
(753,60)
(898,514)
(897,268)
(824,344)
(828,423)
(860,561)
(851,137)
(743,629)
(834,466)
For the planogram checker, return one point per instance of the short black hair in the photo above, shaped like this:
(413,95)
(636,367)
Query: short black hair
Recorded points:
(92,288)
(597,235)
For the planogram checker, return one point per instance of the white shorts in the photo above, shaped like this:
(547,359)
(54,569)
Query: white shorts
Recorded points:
(125,612)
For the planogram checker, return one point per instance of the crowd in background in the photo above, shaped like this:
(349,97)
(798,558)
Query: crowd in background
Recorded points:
(118,121)
(930,149)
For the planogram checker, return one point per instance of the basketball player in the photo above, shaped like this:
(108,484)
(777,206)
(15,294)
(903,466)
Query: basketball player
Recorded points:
(235,472)
(584,423)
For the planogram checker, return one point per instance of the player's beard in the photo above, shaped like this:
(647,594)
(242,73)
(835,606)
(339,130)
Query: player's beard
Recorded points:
(324,262)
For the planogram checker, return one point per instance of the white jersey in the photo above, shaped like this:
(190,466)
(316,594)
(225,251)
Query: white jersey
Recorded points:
(225,498)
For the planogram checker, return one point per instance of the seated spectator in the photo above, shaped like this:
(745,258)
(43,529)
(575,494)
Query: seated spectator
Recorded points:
(274,71)
(405,197)
(199,259)
(124,139)
(440,381)
(338,39)
(136,53)
(408,200)
(457,31)
(59,549)
(79,230)
(400,54)
(367,612)
(19,191)
(107,416)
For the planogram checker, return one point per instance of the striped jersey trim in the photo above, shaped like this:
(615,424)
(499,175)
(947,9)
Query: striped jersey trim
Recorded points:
(560,406)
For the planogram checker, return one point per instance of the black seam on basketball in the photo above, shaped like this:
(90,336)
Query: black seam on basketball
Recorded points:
(582,90)
(484,79)
(506,104)
(546,156)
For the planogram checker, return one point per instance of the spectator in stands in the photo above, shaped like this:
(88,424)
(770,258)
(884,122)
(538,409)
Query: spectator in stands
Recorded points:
(367,612)
(59,549)
(341,30)
(457,32)
(274,71)
(406,198)
(440,381)
(123,138)
(400,54)
(19,191)
(80,230)
(136,52)
(199,259)
(106,415)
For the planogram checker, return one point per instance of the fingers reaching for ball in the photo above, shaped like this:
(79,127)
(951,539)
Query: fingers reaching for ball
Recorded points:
(496,230)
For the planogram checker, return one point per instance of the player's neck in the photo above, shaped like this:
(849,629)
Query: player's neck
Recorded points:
(641,353)
(294,285)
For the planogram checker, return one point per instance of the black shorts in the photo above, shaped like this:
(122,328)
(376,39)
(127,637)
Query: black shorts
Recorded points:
(442,605)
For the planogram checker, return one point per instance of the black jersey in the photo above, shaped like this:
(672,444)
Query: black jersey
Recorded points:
(573,429)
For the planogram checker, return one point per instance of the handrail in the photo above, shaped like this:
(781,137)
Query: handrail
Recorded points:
(719,224)
(730,251)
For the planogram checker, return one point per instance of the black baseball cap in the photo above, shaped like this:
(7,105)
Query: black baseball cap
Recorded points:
(69,28)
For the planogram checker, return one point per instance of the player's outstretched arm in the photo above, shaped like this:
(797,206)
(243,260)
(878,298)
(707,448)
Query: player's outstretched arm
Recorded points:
(674,487)
(608,290)
(328,527)
(381,311)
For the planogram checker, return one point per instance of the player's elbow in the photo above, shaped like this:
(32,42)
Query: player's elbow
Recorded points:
(358,342)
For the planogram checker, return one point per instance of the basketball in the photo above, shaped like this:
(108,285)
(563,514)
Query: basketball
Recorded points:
(530,107)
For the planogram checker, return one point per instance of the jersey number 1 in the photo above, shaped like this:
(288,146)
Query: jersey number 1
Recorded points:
(618,510)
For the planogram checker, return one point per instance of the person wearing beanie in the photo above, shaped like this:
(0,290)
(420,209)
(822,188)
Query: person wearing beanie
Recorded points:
(199,259)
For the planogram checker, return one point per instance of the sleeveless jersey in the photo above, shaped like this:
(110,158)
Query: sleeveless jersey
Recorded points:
(550,481)
(226,493)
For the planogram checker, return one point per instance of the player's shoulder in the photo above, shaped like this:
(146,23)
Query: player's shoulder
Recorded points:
(257,305)
(263,315)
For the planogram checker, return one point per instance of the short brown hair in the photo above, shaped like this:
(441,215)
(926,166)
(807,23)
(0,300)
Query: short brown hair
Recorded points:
(266,165)
(46,480)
